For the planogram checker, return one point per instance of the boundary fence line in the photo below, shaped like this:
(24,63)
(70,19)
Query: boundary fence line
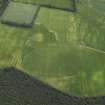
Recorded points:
(50,6)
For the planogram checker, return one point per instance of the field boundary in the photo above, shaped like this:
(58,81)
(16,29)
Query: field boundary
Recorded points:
(16,24)
(49,6)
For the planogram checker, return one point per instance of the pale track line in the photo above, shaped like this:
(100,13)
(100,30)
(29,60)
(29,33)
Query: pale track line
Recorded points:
(93,49)
(58,77)
(63,77)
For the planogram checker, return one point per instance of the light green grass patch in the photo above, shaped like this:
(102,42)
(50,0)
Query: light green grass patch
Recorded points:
(19,14)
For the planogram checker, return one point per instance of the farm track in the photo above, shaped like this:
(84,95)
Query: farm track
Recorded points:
(93,49)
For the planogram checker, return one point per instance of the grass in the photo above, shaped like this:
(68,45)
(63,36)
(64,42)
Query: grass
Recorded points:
(19,14)
(74,63)
(62,4)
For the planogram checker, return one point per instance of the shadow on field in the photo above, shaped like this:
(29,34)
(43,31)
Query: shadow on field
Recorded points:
(19,88)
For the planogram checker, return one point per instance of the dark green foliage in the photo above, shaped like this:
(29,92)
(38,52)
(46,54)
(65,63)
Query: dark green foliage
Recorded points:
(3,5)
(19,88)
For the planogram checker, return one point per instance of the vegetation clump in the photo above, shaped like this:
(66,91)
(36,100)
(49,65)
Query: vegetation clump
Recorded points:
(3,5)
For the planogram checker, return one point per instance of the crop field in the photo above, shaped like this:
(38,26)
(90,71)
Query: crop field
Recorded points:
(62,4)
(20,14)
(63,49)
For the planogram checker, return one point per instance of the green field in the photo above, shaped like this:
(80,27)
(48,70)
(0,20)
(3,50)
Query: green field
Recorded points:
(19,14)
(62,4)
(63,49)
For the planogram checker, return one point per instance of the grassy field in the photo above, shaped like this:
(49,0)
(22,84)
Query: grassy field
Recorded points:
(62,4)
(19,14)
(64,49)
